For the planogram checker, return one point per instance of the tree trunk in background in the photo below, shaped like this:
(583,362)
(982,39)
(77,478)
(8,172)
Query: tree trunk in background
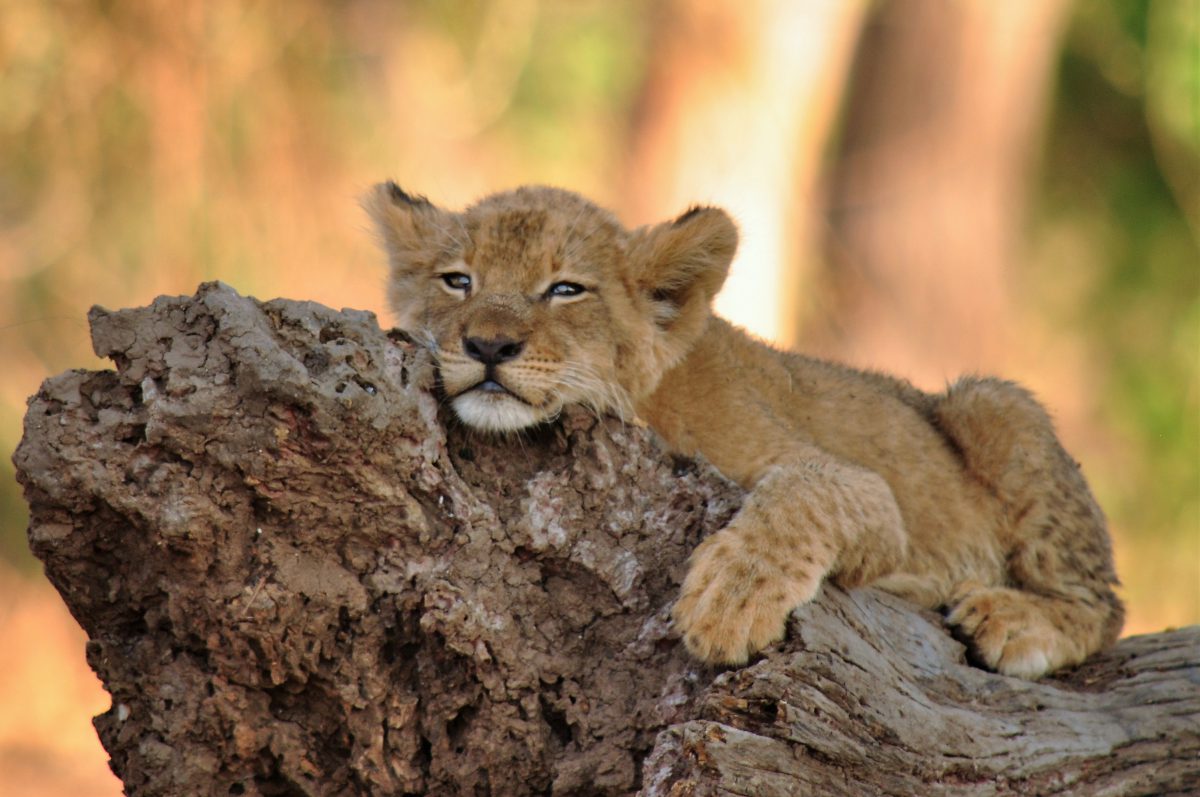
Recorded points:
(928,193)
(736,109)
(298,579)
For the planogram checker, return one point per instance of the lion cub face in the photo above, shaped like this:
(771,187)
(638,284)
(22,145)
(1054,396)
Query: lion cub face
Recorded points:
(536,298)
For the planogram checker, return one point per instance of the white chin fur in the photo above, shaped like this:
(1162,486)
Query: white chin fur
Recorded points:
(493,412)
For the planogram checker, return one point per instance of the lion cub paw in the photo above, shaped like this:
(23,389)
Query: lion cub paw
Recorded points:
(734,603)
(1011,632)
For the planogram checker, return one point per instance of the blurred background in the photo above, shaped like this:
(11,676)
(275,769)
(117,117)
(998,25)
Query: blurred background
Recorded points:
(929,187)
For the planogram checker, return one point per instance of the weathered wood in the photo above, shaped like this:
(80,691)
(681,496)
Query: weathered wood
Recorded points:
(300,577)
(872,699)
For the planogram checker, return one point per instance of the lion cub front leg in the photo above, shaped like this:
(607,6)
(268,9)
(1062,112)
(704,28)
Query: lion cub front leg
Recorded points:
(804,520)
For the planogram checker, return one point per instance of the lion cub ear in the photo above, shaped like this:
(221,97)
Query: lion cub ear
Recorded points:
(680,265)
(414,234)
(410,226)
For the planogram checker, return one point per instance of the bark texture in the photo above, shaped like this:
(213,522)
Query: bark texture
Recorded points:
(300,577)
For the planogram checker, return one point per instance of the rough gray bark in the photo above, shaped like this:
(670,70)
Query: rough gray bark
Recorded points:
(299,577)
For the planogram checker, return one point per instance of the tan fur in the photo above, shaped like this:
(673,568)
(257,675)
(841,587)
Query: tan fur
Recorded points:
(962,500)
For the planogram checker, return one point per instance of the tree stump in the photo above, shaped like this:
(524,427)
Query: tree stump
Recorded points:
(300,576)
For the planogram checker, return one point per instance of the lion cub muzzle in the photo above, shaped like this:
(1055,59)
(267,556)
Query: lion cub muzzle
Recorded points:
(488,379)
(493,351)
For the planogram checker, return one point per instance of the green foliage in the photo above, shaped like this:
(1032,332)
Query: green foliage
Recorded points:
(1123,168)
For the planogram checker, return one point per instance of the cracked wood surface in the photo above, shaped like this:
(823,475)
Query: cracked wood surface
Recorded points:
(889,709)
(299,576)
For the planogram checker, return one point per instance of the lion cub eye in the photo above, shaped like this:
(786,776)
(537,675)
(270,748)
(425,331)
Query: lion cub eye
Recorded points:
(457,281)
(563,289)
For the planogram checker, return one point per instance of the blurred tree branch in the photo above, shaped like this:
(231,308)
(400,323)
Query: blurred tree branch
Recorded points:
(929,193)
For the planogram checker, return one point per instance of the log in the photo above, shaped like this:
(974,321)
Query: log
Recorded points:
(299,575)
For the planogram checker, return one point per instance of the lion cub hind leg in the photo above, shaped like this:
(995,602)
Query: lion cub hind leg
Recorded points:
(1022,634)
(802,521)
(1057,604)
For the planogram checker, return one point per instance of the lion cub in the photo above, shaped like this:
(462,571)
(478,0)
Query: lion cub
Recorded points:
(536,298)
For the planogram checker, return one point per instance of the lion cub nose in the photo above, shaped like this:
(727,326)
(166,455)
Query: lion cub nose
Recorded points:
(492,351)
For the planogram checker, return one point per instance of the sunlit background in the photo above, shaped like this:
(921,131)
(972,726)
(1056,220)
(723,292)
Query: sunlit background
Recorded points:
(924,186)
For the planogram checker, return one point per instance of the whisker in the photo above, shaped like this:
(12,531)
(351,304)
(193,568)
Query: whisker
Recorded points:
(466,242)
(462,243)
(424,336)
(578,243)
(567,236)
(599,395)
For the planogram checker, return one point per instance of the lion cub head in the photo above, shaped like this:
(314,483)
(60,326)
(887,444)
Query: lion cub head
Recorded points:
(536,298)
